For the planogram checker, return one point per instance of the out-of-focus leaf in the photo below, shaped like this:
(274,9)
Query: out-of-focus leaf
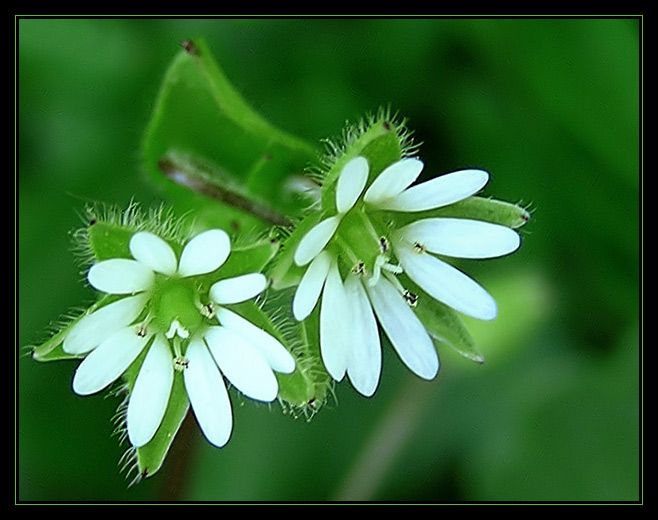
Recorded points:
(203,137)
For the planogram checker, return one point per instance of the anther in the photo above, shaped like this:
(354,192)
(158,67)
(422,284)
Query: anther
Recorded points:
(419,248)
(383,244)
(140,330)
(359,268)
(207,310)
(180,363)
(410,298)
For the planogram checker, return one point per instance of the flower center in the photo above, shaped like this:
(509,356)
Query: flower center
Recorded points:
(359,243)
(175,306)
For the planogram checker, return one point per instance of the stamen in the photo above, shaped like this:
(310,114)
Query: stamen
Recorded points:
(207,310)
(360,268)
(140,330)
(392,268)
(383,244)
(419,248)
(180,363)
(382,263)
(410,298)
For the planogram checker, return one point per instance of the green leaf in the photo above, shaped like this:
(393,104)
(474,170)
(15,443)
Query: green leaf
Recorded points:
(203,137)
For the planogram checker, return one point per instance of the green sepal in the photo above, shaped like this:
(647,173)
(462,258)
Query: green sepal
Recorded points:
(205,127)
(108,240)
(51,349)
(151,456)
(475,208)
(109,229)
(443,324)
(252,257)
(308,385)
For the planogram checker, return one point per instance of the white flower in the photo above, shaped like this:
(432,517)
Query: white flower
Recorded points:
(363,244)
(163,308)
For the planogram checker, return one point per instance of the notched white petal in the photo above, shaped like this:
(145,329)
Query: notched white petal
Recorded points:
(365,356)
(462,238)
(407,334)
(94,328)
(206,252)
(154,252)
(315,240)
(269,347)
(120,276)
(106,363)
(438,192)
(238,289)
(393,180)
(310,286)
(150,395)
(350,184)
(334,316)
(446,283)
(207,393)
(242,364)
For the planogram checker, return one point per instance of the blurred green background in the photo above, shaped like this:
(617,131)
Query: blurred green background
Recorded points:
(551,107)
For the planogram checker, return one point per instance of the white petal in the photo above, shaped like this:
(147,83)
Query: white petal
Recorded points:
(154,252)
(207,392)
(365,355)
(238,289)
(108,361)
(334,317)
(242,364)
(94,328)
(315,240)
(120,276)
(393,180)
(204,253)
(407,334)
(350,184)
(440,191)
(269,347)
(310,286)
(462,238)
(445,283)
(150,395)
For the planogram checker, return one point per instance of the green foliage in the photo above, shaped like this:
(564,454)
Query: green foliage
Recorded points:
(548,106)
